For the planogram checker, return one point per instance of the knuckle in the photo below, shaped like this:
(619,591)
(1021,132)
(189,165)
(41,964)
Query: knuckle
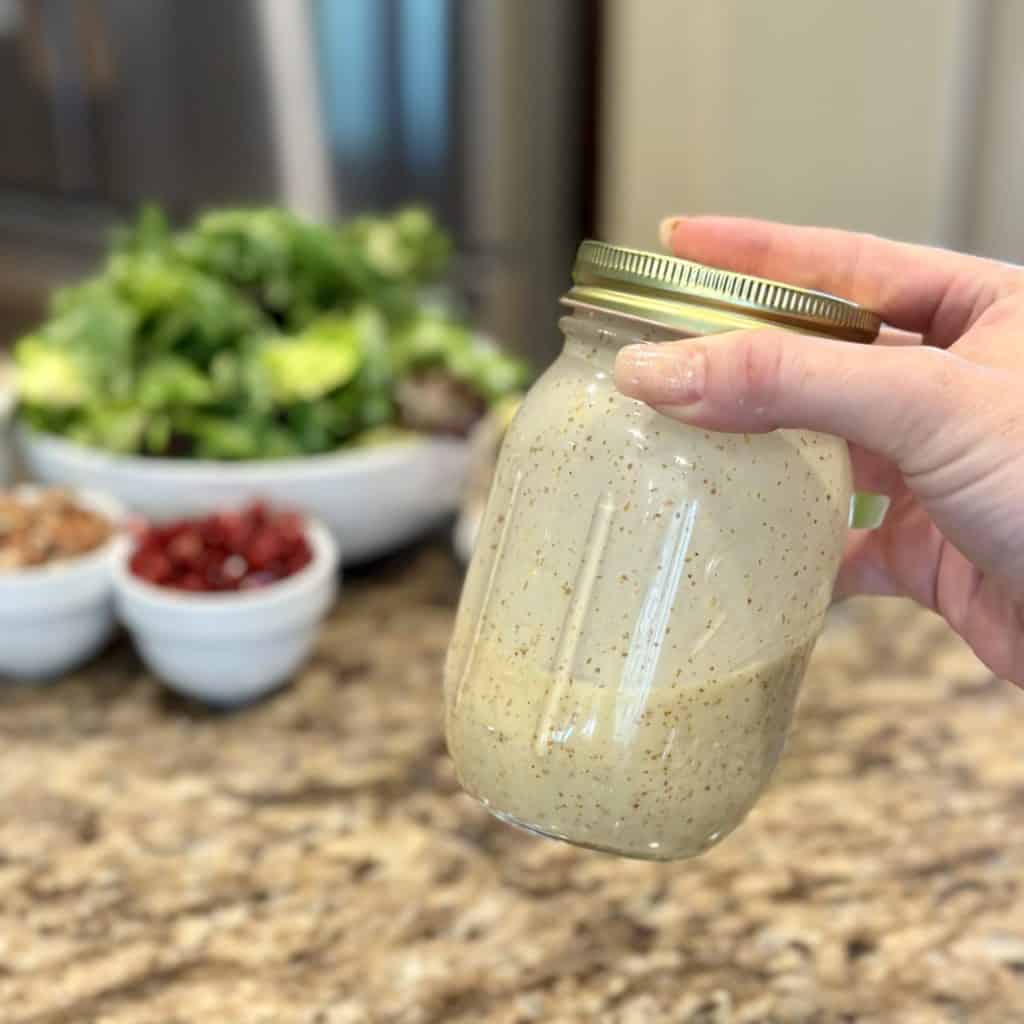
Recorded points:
(759,362)
(853,272)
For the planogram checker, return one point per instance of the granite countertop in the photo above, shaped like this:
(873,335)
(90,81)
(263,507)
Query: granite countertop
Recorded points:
(311,860)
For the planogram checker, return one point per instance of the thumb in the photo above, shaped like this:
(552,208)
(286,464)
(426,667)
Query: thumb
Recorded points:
(895,401)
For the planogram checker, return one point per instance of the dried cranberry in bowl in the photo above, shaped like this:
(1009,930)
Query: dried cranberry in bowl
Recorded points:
(241,549)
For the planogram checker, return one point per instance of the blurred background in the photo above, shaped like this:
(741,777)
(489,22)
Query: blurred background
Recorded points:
(524,125)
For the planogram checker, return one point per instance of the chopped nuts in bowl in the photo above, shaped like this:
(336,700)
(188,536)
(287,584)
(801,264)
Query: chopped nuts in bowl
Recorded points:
(40,527)
(56,589)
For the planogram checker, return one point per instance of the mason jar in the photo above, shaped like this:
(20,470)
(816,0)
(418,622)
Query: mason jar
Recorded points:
(643,596)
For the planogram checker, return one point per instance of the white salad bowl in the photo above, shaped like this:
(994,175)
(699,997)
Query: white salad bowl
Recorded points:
(372,499)
(56,616)
(228,648)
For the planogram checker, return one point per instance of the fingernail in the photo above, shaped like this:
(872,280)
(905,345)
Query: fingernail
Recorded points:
(665,374)
(666,229)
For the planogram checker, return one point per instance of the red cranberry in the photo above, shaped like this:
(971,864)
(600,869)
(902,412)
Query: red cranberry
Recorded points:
(231,550)
(186,548)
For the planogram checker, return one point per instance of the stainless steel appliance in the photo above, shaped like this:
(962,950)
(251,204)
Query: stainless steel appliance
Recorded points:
(483,109)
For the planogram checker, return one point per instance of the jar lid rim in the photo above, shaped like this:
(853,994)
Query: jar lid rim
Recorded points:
(636,282)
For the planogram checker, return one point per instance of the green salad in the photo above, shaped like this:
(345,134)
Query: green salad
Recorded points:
(254,334)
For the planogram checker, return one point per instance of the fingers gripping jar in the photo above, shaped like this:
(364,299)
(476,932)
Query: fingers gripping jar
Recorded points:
(644,595)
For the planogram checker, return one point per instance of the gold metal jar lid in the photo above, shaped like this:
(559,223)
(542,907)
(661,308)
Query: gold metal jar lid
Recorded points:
(705,300)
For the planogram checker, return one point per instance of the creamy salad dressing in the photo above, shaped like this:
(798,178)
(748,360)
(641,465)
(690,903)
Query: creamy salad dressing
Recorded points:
(662,774)
(638,612)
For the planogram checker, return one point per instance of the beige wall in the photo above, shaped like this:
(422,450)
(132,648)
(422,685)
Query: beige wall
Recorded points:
(998,209)
(874,114)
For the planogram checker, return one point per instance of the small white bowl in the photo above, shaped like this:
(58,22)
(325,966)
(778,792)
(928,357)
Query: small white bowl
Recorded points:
(228,648)
(56,616)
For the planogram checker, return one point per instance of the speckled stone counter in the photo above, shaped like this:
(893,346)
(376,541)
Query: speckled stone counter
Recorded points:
(311,860)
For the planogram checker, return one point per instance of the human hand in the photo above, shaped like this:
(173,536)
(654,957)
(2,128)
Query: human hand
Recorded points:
(935,419)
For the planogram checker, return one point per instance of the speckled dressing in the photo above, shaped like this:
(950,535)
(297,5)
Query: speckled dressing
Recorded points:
(658,775)
(626,563)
